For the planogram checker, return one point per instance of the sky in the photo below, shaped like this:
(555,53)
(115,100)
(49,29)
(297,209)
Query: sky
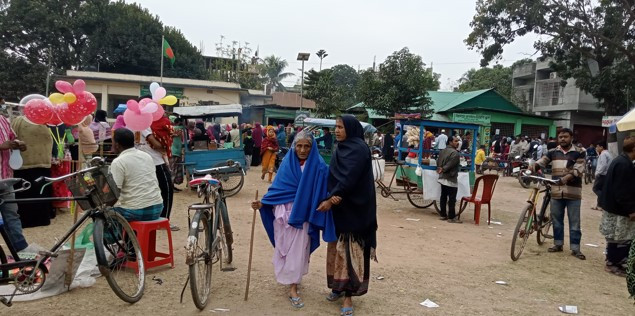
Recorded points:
(352,32)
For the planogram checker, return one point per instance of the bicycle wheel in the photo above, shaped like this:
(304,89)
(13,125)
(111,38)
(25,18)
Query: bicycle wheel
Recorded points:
(199,259)
(587,177)
(521,232)
(417,199)
(232,183)
(224,233)
(545,224)
(524,182)
(119,256)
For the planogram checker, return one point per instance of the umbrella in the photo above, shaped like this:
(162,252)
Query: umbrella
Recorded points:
(627,122)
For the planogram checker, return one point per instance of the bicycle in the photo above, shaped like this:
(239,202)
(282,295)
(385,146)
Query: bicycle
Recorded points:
(117,250)
(232,177)
(589,169)
(529,221)
(412,191)
(211,222)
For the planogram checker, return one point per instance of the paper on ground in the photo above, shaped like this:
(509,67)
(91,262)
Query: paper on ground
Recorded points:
(568,309)
(220,310)
(413,219)
(428,303)
(592,245)
(501,282)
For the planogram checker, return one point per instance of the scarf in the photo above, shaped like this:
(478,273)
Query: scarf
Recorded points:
(119,123)
(163,132)
(268,142)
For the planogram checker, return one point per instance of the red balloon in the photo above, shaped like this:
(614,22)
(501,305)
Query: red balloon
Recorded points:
(38,111)
(68,115)
(55,120)
(87,103)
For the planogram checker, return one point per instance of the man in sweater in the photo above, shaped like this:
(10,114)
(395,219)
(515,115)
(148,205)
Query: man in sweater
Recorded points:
(448,170)
(567,163)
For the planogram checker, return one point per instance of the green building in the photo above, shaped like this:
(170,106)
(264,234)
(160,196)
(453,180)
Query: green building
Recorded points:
(493,112)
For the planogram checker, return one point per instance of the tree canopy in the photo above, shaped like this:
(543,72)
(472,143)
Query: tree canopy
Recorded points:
(333,90)
(590,41)
(400,85)
(273,71)
(85,35)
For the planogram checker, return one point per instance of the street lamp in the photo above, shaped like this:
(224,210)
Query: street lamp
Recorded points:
(302,57)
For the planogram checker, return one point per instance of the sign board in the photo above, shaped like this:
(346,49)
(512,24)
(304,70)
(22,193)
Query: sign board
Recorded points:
(607,121)
(300,116)
(480,119)
(177,92)
(487,130)
(498,131)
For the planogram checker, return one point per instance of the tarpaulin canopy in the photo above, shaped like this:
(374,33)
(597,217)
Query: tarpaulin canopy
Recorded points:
(627,122)
(209,110)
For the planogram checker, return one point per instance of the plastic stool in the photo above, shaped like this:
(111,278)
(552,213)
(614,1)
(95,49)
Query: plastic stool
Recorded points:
(147,234)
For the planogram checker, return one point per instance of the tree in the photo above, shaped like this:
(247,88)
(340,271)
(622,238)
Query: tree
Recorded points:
(272,70)
(590,41)
(321,54)
(400,85)
(498,78)
(332,89)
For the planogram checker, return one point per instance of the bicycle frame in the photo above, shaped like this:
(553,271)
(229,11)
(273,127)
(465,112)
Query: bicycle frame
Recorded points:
(387,190)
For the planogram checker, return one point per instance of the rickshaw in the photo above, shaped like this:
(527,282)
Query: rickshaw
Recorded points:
(313,124)
(410,158)
(199,158)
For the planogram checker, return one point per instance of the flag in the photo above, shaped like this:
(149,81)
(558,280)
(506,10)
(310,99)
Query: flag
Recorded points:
(167,52)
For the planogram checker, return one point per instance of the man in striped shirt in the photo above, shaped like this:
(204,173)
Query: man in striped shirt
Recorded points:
(567,165)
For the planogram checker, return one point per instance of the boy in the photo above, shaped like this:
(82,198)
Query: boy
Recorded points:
(478,160)
(248,148)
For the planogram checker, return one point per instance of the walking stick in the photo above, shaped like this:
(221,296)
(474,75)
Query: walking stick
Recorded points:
(251,250)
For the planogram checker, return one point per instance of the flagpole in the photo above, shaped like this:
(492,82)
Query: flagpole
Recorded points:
(162,41)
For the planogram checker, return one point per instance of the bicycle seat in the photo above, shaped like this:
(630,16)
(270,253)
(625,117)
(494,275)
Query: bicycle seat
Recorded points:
(201,206)
(207,178)
(400,162)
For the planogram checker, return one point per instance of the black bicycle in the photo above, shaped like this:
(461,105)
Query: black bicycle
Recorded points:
(210,238)
(116,247)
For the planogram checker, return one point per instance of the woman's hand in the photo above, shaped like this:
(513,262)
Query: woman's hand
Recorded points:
(256,205)
(325,206)
(270,148)
(335,200)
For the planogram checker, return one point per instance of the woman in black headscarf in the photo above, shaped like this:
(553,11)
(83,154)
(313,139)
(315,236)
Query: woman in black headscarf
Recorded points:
(352,199)
(388,151)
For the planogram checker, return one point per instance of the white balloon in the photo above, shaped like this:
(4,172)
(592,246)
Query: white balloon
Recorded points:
(150,108)
(32,97)
(15,161)
(153,87)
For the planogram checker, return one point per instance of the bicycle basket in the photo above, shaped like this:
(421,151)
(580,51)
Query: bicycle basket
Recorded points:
(98,186)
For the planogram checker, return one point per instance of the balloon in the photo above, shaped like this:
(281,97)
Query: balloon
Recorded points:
(57,98)
(169,100)
(63,86)
(87,102)
(159,94)
(69,97)
(150,107)
(158,113)
(79,86)
(31,97)
(135,121)
(68,115)
(55,120)
(153,87)
(37,111)
(133,106)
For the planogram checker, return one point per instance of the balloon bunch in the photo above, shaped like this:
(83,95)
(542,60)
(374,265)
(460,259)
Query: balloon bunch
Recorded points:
(140,115)
(69,108)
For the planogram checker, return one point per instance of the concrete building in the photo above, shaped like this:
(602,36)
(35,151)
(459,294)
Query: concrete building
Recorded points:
(112,89)
(539,90)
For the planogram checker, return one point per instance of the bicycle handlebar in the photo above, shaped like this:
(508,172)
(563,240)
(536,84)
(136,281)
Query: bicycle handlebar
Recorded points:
(96,163)
(216,169)
(541,179)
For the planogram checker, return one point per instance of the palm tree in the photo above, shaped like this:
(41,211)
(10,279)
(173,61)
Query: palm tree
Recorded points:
(272,70)
(321,54)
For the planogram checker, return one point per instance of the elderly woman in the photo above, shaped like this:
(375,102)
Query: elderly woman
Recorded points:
(289,213)
(352,198)
(268,151)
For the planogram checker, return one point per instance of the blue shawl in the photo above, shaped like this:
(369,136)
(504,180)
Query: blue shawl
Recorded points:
(306,189)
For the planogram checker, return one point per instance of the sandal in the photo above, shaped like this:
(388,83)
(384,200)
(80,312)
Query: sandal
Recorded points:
(555,248)
(615,270)
(346,311)
(578,255)
(334,296)
(296,302)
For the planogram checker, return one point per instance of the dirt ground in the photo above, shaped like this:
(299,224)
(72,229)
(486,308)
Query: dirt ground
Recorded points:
(454,265)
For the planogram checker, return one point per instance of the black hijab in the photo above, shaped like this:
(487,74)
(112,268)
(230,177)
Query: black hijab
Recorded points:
(351,178)
(388,151)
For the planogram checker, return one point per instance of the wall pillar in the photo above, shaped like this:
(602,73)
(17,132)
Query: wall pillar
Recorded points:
(553,129)
(518,127)
(104,97)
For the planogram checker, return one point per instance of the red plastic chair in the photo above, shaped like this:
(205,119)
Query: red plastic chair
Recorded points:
(489,184)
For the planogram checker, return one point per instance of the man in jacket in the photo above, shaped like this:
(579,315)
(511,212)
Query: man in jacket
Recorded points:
(448,170)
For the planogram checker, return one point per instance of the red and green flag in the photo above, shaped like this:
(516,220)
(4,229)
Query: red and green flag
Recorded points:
(167,52)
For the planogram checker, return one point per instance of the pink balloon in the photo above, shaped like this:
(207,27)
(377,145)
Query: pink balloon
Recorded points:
(158,114)
(68,115)
(133,106)
(63,86)
(79,86)
(38,111)
(137,122)
(150,107)
(158,94)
